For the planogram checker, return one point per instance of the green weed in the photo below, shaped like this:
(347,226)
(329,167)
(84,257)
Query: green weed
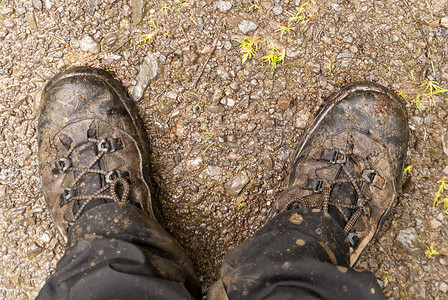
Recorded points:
(402,95)
(305,13)
(146,38)
(438,197)
(152,24)
(415,100)
(254,6)
(206,138)
(429,88)
(182,4)
(166,9)
(274,57)
(430,251)
(432,88)
(387,277)
(249,48)
(197,106)
(330,68)
(407,170)
(282,30)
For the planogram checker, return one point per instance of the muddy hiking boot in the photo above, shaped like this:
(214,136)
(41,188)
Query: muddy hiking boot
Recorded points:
(350,162)
(92,148)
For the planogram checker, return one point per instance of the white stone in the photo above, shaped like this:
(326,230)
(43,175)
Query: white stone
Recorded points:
(444,22)
(443,287)
(8,23)
(434,224)
(214,172)
(247,26)
(302,119)
(445,143)
(230,102)
(137,7)
(277,10)
(236,184)
(45,238)
(445,170)
(88,44)
(223,6)
(47,4)
(194,164)
(149,70)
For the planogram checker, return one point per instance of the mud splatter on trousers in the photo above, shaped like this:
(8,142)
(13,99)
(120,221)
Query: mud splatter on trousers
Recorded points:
(117,252)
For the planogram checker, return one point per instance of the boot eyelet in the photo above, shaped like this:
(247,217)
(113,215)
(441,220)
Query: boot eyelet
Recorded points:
(339,157)
(103,146)
(318,187)
(67,195)
(353,239)
(114,174)
(368,175)
(63,164)
(111,176)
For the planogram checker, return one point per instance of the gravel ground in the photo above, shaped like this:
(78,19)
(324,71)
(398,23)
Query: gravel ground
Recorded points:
(221,135)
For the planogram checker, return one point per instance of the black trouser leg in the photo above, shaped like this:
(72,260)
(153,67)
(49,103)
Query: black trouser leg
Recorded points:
(117,252)
(299,254)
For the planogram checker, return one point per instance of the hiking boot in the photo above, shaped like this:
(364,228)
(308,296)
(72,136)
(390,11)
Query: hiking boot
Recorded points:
(92,148)
(350,162)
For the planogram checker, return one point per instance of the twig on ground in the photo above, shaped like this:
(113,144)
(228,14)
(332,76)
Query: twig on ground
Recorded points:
(404,290)
(158,96)
(208,147)
(428,50)
(215,43)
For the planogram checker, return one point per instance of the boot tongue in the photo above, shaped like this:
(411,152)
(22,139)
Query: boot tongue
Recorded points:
(344,192)
(89,182)
(324,173)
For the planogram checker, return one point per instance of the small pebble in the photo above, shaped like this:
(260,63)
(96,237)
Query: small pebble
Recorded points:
(8,23)
(247,26)
(223,6)
(277,10)
(88,44)
(37,4)
(283,102)
(236,184)
(434,224)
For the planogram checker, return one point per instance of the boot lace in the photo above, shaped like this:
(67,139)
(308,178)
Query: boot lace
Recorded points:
(114,179)
(324,188)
